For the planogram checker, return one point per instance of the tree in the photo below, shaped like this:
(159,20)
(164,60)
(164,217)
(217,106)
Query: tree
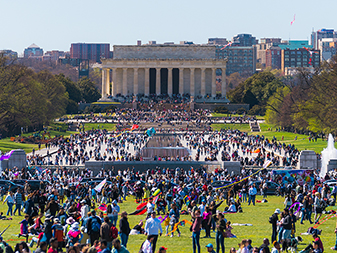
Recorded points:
(73,90)
(89,91)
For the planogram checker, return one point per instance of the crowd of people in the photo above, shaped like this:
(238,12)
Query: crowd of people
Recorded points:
(78,215)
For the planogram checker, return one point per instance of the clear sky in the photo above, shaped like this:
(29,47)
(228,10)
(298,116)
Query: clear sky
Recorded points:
(55,24)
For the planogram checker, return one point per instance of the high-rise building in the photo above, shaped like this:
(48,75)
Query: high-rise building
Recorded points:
(263,46)
(240,59)
(244,40)
(298,54)
(217,41)
(32,51)
(273,57)
(328,47)
(322,34)
(91,52)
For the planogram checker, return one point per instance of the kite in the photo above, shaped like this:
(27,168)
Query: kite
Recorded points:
(125,130)
(162,219)
(141,209)
(150,132)
(99,187)
(257,151)
(310,52)
(299,207)
(228,45)
(156,193)
(180,223)
(326,218)
(6,156)
(267,164)
(291,23)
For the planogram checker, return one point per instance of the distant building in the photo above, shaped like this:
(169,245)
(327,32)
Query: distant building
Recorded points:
(328,47)
(91,52)
(9,53)
(273,57)
(244,40)
(54,55)
(299,54)
(152,42)
(322,34)
(217,41)
(33,51)
(186,42)
(263,46)
(240,59)
(139,42)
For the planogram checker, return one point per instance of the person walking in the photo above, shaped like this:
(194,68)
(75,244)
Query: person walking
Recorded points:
(18,202)
(93,227)
(273,220)
(220,227)
(124,228)
(115,210)
(10,202)
(152,226)
(251,194)
(196,227)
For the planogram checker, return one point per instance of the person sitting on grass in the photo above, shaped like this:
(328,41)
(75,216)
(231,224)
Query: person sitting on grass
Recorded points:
(210,248)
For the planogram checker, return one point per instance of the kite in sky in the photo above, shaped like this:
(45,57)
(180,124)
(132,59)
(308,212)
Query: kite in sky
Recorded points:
(228,45)
(291,23)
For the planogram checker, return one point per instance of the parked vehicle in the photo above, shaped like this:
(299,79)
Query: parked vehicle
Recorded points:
(272,187)
(9,186)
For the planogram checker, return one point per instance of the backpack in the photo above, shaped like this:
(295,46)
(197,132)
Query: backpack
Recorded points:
(113,232)
(271,219)
(95,226)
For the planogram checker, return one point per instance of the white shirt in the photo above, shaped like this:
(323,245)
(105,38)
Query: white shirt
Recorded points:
(150,207)
(152,226)
(202,208)
(147,247)
(84,211)
(115,210)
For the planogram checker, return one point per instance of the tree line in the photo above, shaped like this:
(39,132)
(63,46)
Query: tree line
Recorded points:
(304,103)
(30,99)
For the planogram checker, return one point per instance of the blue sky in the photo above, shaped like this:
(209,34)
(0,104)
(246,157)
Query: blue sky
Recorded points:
(56,24)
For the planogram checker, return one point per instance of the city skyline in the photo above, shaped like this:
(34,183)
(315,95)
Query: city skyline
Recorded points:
(55,26)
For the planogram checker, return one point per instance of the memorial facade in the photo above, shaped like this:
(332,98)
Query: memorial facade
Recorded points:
(163,69)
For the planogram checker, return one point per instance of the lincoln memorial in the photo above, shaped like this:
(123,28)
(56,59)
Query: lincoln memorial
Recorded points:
(163,69)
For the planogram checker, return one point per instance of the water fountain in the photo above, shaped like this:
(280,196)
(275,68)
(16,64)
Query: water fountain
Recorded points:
(330,152)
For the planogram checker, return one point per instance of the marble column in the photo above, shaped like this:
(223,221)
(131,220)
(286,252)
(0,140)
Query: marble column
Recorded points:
(107,84)
(125,81)
(104,83)
(169,82)
(135,81)
(158,81)
(147,82)
(181,81)
(114,82)
(223,83)
(192,82)
(203,82)
(213,82)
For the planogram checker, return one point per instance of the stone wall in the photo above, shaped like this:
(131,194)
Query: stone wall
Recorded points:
(96,166)
(164,52)
(212,106)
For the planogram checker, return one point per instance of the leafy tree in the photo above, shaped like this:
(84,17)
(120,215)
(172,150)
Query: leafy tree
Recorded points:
(89,91)
(73,90)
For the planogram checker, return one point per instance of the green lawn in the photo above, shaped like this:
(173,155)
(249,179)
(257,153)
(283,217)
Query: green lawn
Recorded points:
(107,126)
(302,142)
(214,114)
(256,215)
(241,127)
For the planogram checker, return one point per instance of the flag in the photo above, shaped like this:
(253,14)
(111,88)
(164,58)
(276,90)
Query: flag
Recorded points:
(291,23)
(134,127)
(266,164)
(99,187)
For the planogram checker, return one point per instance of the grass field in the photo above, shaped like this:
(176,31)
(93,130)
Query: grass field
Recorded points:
(107,126)
(267,130)
(256,215)
(214,114)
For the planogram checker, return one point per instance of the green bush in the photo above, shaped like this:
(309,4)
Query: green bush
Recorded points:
(241,111)
(221,109)
(92,108)
(257,110)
